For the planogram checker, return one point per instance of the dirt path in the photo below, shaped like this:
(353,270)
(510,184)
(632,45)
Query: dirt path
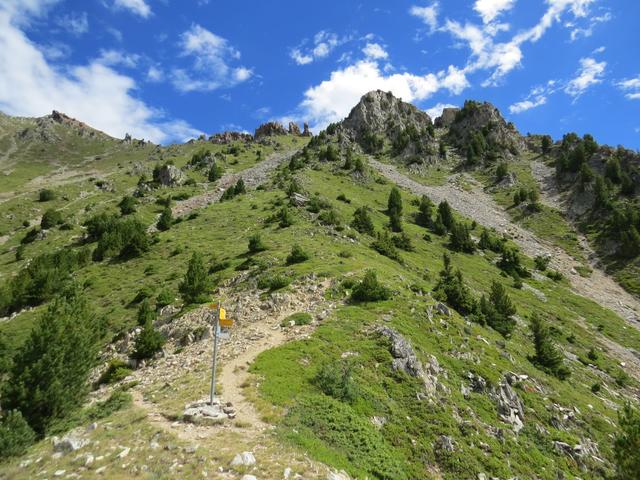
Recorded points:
(479,206)
(252,177)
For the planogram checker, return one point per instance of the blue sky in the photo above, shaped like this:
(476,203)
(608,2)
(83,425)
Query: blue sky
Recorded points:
(168,70)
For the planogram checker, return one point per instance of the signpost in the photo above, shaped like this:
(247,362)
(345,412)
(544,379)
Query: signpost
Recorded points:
(219,320)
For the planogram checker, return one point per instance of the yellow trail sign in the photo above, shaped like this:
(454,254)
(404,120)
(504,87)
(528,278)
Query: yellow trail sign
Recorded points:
(226,322)
(223,313)
(213,306)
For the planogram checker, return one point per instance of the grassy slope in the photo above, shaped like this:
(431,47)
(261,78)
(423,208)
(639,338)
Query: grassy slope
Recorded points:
(285,373)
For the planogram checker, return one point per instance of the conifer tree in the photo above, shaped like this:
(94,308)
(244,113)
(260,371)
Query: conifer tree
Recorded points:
(362,221)
(196,283)
(145,312)
(425,210)
(394,210)
(547,356)
(498,310)
(627,444)
(446,215)
(166,219)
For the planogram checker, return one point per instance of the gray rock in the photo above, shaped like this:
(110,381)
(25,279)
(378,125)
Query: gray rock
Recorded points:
(445,443)
(70,443)
(447,117)
(442,309)
(248,477)
(170,176)
(245,459)
(341,475)
(510,407)
(294,129)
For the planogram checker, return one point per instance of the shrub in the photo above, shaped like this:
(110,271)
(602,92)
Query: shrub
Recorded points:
(116,370)
(510,262)
(425,212)
(273,282)
(164,298)
(51,218)
(343,198)
(445,214)
(317,203)
(49,376)
(124,237)
(46,195)
(370,289)
(329,217)
(555,275)
(148,342)
(394,210)
(541,262)
(127,205)
(362,221)
(403,242)
(489,242)
(297,255)
(256,243)
(15,435)
(335,380)
(300,318)
(285,218)
(166,220)
(20,252)
(195,285)
(627,444)
(501,171)
(384,245)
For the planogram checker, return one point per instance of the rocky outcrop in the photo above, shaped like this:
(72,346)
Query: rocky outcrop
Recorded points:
(169,176)
(405,360)
(306,132)
(230,137)
(510,407)
(270,129)
(484,120)
(446,118)
(379,116)
(294,129)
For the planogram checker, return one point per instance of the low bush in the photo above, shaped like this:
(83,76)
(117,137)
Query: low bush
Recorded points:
(370,289)
(297,255)
(116,370)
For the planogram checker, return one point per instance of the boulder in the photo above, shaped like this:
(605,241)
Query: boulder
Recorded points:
(305,131)
(244,459)
(69,443)
(445,443)
(341,475)
(510,407)
(169,176)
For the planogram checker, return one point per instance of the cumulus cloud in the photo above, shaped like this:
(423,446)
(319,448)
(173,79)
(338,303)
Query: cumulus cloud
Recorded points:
(212,62)
(375,51)
(428,15)
(490,9)
(137,7)
(117,57)
(590,73)
(94,93)
(586,31)
(630,87)
(525,105)
(331,100)
(323,43)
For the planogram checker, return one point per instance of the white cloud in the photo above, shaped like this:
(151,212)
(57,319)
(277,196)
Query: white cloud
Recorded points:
(490,9)
(525,105)
(324,42)
(631,87)
(117,57)
(74,23)
(93,93)
(212,56)
(332,99)
(429,15)
(375,51)
(589,73)
(579,32)
(155,74)
(435,111)
(138,7)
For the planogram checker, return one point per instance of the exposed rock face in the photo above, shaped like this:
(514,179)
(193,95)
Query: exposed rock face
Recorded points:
(405,359)
(270,129)
(169,176)
(510,407)
(229,137)
(294,129)
(306,132)
(483,118)
(69,443)
(381,114)
(446,119)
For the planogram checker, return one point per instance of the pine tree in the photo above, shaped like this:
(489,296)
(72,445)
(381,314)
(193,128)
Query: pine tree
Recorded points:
(498,310)
(15,434)
(425,211)
(546,144)
(148,342)
(452,290)
(127,205)
(370,289)
(547,356)
(446,215)
(460,238)
(196,283)
(145,312)
(49,377)
(215,172)
(166,219)
(394,210)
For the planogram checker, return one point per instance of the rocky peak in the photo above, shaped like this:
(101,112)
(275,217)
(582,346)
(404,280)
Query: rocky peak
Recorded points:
(294,129)
(270,129)
(484,119)
(447,117)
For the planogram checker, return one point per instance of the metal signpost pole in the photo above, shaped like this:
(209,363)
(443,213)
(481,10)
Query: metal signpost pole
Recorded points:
(216,333)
